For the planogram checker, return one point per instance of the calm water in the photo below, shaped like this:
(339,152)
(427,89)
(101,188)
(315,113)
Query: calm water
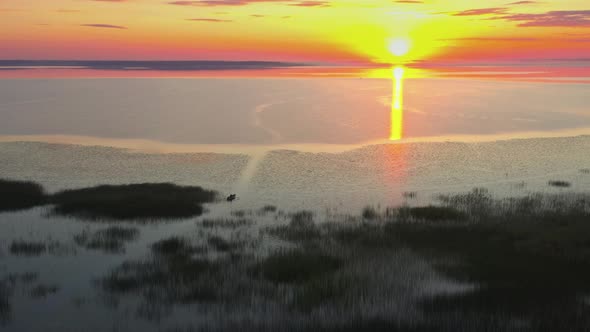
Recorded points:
(271,111)
(331,145)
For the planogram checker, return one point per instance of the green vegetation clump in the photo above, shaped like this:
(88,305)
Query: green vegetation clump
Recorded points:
(302,219)
(20,195)
(23,248)
(559,184)
(147,201)
(42,291)
(297,266)
(269,208)
(431,213)
(6,292)
(370,213)
(221,244)
(173,246)
(170,276)
(111,239)
(227,223)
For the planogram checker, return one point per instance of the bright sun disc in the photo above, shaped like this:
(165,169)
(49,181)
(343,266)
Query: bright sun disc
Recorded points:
(399,47)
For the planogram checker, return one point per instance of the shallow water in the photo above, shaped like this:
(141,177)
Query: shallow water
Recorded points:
(255,111)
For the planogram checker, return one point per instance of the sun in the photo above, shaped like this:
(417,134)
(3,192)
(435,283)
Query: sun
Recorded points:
(399,47)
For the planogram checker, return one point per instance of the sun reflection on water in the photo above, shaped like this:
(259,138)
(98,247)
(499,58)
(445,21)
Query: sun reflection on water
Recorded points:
(397,104)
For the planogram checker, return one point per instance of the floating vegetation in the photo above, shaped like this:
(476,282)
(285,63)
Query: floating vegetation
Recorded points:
(409,194)
(20,195)
(147,201)
(23,248)
(227,223)
(42,291)
(302,219)
(170,275)
(370,213)
(430,213)
(111,240)
(6,292)
(175,246)
(268,209)
(559,184)
(297,266)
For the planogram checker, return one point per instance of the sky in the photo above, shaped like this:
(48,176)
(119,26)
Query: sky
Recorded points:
(319,31)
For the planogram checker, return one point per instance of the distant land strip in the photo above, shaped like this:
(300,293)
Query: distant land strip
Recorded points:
(147,65)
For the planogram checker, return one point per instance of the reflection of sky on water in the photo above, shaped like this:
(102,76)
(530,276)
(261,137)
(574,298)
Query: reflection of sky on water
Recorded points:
(288,111)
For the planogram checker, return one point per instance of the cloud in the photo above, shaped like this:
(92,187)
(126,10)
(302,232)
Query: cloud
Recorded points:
(212,3)
(481,11)
(212,20)
(311,4)
(105,26)
(490,39)
(556,18)
(526,2)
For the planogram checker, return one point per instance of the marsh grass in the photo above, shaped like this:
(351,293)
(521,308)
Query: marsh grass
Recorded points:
(24,248)
(6,292)
(370,213)
(20,195)
(42,291)
(227,223)
(525,259)
(269,209)
(430,213)
(297,266)
(140,202)
(559,184)
(110,240)
(171,275)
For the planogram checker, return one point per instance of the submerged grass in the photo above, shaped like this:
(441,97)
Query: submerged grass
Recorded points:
(110,240)
(24,248)
(559,184)
(20,195)
(297,266)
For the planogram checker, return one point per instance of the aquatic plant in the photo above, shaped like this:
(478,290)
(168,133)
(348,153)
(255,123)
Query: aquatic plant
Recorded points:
(559,184)
(110,239)
(23,248)
(147,201)
(297,266)
(20,195)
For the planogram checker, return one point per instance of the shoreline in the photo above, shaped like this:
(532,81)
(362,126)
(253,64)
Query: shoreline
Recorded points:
(159,147)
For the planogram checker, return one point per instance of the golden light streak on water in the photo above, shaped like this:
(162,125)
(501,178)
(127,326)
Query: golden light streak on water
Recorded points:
(397,104)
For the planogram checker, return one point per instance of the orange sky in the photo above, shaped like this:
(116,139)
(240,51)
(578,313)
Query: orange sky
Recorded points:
(332,31)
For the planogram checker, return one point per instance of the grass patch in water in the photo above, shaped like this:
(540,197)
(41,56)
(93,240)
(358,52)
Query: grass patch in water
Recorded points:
(430,213)
(559,184)
(42,291)
(147,201)
(24,248)
(227,223)
(111,240)
(297,266)
(20,195)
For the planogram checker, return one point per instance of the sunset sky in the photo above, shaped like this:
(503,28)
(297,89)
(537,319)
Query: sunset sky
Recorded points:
(336,31)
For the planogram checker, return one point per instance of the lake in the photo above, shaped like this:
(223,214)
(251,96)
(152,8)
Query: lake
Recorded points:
(343,152)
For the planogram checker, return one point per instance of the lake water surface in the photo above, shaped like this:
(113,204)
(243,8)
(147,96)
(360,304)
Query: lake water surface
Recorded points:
(332,145)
